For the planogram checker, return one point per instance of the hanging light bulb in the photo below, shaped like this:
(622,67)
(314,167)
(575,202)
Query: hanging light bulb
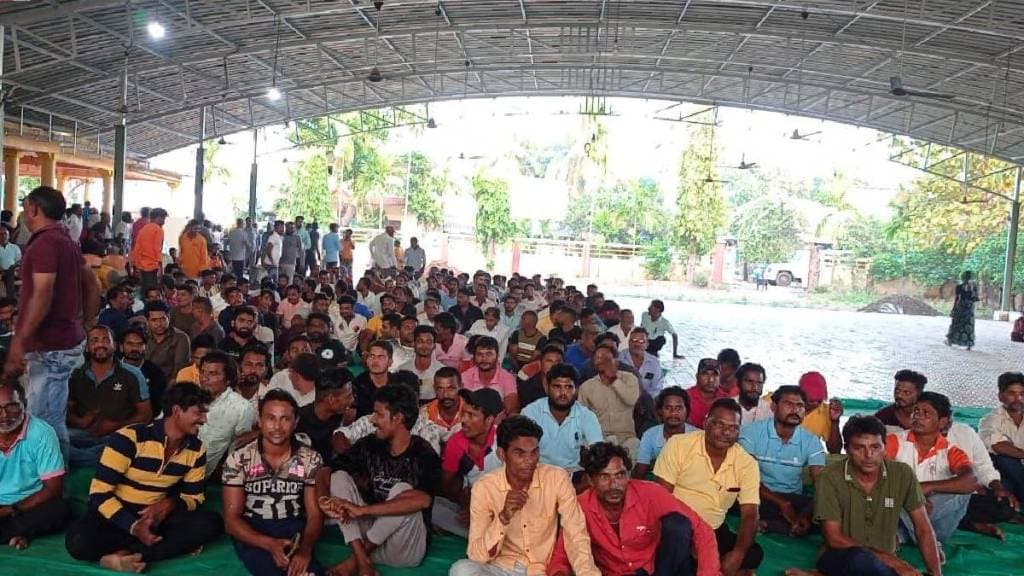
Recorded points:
(273,93)
(375,75)
(156,30)
(431,123)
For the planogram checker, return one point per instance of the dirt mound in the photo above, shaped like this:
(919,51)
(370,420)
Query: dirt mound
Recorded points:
(901,305)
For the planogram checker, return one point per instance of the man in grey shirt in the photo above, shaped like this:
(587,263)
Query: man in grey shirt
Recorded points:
(290,249)
(239,244)
(415,257)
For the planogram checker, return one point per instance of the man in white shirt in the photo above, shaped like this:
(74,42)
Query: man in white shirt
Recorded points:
(350,324)
(301,381)
(491,326)
(753,403)
(657,327)
(10,255)
(230,415)
(74,223)
(382,249)
(423,364)
(272,249)
(415,257)
(1002,430)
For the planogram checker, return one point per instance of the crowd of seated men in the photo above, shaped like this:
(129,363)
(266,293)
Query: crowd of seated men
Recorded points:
(528,416)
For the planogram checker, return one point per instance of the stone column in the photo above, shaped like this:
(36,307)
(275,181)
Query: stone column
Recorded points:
(12,170)
(62,182)
(108,194)
(47,169)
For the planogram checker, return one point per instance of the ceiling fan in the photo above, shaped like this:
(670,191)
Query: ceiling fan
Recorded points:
(744,165)
(796,135)
(896,88)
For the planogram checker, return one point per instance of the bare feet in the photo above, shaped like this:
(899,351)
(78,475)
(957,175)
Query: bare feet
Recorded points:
(346,568)
(18,543)
(123,562)
(987,529)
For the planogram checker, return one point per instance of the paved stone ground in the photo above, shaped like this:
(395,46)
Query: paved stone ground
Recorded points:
(857,352)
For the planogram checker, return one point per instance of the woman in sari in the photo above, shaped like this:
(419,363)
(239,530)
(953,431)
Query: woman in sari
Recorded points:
(961,327)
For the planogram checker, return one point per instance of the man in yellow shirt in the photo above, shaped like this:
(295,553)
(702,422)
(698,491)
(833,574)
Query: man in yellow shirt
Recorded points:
(822,418)
(515,511)
(709,472)
(201,346)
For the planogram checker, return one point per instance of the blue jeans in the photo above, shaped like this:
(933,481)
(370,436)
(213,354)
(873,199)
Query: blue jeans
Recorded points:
(85,448)
(46,389)
(854,561)
(947,511)
(1012,471)
(258,561)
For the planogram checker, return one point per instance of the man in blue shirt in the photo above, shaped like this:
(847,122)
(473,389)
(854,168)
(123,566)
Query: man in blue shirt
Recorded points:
(31,473)
(331,244)
(646,364)
(783,449)
(567,425)
(117,314)
(580,352)
(673,406)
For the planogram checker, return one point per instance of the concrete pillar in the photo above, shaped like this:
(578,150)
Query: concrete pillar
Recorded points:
(12,170)
(197,212)
(120,153)
(47,169)
(1011,252)
(718,263)
(108,194)
(61,182)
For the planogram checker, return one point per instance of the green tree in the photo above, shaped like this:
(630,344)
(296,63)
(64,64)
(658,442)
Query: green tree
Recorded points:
(767,230)
(214,168)
(426,187)
(700,208)
(307,193)
(865,235)
(494,222)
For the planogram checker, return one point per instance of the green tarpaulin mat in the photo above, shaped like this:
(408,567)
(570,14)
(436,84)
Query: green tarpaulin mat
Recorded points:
(967,554)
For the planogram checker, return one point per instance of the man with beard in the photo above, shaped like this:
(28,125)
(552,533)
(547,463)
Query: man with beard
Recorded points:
(909,385)
(645,363)
(526,343)
(230,416)
(468,454)
(144,499)
(516,511)
(167,347)
(297,345)
(329,350)
(387,523)
(31,473)
(536,387)
(133,353)
(241,334)
(182,317)
(334,400)
(755,407)
(567,425)
(350,325)
(270,495)
(673,406)
(710,473)
(445,409)
(116,315)
(858,502)
(103,395)
(404,346)
(783,449)
(254,373)
(488,373)
(464,311)
(377,376)
(635,526)
(423,364)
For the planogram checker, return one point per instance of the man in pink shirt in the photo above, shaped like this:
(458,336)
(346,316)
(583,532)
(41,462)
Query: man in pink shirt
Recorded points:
(635,526)
(486,373)
(451,346)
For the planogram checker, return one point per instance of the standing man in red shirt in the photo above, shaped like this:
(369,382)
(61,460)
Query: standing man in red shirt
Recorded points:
(61,299)
(635,526)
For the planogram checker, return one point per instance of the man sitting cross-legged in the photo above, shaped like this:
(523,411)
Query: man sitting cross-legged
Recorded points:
(516,512)
(384,522)
(104,395)
(636,527)
(783,449)
(858,502)
(710,472)
(270,496)
(468,455)
(148,484)
(944,470)
(673,405)
(31,473)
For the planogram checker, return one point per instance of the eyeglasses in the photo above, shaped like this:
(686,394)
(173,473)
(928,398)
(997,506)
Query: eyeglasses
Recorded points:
(12,409)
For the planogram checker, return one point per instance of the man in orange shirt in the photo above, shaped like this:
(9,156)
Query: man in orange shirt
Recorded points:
(193,257)
(147,253)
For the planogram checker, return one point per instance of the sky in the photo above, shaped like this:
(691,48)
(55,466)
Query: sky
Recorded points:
(640,145)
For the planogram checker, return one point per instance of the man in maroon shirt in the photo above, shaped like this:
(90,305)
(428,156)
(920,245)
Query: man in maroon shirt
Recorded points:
(60,296)
(637,527)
